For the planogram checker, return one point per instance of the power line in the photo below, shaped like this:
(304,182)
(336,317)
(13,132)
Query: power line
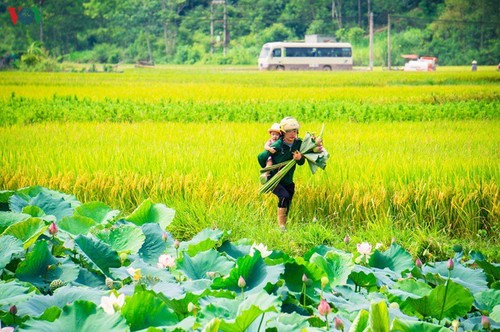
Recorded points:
(444,20)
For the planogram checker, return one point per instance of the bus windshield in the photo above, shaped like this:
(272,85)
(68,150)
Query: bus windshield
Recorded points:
(264,52)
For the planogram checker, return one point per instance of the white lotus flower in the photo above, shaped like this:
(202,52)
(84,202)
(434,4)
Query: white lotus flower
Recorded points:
(135,273)
(364,248)
(262,248)
(111,304)
(6,329)
(165,261)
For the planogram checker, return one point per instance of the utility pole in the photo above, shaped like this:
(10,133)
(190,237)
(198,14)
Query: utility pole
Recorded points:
(225,29)
(371,41)
(224,21)
(389,41)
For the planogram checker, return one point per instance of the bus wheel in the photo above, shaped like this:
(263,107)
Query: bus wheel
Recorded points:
(327,68)
(280,68)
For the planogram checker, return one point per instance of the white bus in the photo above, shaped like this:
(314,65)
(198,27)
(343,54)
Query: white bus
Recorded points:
(310,56)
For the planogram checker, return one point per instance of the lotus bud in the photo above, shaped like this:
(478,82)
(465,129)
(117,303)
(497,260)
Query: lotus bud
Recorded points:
(418,263)
(53,229)
(51,267)
(318,140)
(450,265)
(455,324)
(176,244)
(13,310)
(485,322)
(324,282)
(324,308)
(347,239)
(191,307)
(394,305)
(123,256)
(164,236)
(241,282)
(318,149)
(211,274)
(338,323)
(304,278)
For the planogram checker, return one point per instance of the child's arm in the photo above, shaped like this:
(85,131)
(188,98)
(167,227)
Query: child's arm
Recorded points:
(269,148)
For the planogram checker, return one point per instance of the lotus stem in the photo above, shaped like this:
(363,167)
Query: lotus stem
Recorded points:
(261,319)
(273,167)
(273,182)
(304,293)
(444,298)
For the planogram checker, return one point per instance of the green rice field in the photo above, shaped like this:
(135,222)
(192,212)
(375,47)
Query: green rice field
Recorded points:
(413,156)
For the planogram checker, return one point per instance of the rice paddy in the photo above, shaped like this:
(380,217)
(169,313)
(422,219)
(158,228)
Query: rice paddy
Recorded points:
(413,156)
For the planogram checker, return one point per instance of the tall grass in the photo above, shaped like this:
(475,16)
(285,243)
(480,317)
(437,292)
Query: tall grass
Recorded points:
(408,180)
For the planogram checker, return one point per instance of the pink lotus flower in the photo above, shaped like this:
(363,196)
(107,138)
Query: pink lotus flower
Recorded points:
(13,310)
(324,308)
(450,264)
(53,229)
(241,282)
(338,323)
(485,322)
(418,263)
(165,261)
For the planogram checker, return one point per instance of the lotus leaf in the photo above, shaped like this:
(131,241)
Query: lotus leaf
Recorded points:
(9,248)
(79,316)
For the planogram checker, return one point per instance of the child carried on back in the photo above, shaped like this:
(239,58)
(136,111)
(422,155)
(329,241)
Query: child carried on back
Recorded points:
(274,133)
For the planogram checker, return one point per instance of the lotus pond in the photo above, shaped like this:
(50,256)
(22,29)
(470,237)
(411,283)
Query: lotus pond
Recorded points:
(72,266)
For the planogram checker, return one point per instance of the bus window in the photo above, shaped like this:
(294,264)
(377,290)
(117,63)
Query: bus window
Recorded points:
(277,53)
(346,52)
(297,52)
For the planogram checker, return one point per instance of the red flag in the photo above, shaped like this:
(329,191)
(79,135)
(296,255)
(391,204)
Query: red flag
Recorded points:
(13,14)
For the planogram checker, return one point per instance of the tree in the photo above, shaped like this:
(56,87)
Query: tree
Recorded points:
(170,18)
(469,28)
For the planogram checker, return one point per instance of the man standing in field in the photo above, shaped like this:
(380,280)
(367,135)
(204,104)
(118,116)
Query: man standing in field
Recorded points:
(287,148)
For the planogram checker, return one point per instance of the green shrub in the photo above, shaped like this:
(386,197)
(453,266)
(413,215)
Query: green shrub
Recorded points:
(106,53)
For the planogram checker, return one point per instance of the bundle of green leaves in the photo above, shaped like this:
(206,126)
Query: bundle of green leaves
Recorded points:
(314,152)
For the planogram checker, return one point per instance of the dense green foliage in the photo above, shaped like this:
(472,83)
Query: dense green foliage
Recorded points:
(72,266)
(179,31)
